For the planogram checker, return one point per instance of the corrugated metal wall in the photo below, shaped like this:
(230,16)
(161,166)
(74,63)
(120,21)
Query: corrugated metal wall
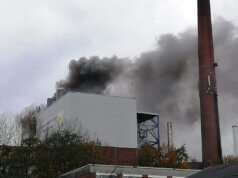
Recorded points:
(110,119)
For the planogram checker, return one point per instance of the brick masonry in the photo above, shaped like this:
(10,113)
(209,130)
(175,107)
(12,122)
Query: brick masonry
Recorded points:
(120,156)
(92,175)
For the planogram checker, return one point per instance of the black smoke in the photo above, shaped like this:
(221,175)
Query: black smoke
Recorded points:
(154,78)
(92,75)
(165,80)
(160,77)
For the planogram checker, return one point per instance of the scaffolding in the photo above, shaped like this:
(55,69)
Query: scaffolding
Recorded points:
(148,129)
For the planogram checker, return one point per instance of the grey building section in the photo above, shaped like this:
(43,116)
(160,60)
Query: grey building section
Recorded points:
(112,120)
(106,171)
(220,171)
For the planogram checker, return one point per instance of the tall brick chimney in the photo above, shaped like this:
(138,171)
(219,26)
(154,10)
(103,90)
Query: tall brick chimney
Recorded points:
(211,141)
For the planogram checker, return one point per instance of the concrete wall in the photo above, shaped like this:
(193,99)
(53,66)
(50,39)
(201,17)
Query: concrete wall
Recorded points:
(112,120)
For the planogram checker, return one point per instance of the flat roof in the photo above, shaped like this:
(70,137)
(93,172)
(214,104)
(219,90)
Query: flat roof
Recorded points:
(117,169)
(223,170)
(68,92)
(101,94)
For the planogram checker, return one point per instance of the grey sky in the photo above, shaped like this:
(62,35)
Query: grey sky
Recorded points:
(39,38)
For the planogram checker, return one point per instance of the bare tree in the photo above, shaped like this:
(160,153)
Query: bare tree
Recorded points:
(10,131)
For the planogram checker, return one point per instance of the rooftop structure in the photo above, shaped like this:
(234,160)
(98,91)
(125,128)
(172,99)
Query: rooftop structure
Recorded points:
(113,171)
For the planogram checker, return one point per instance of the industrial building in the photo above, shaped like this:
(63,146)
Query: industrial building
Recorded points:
(114,121)
(109,119)
(113,171)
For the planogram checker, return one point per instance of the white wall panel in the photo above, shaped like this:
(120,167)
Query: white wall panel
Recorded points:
(110,119)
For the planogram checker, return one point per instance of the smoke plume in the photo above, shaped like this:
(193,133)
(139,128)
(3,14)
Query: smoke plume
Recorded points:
(156,78)
(92,75)
(165,80)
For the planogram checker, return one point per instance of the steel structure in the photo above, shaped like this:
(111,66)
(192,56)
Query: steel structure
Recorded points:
(148,129)
(211,141)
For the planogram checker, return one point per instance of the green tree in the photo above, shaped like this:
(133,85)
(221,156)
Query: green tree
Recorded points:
(19,161)
(64,151)
(163,157)
(4,159)
(171,158)
(61,152)
(182,157)
(148,156)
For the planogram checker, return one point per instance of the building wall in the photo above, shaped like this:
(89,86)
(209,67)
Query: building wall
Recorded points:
(92,175)
(112,120)
(120,156)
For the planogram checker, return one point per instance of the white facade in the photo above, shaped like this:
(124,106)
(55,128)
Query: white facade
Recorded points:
(235,139)
(112,120)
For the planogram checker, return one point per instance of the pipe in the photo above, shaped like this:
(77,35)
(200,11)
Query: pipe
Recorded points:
(235,139)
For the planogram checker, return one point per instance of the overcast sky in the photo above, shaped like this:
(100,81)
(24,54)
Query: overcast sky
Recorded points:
(39,38)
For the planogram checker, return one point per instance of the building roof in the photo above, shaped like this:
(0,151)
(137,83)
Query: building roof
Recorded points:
(220,171)
(128,170)
(84,93)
